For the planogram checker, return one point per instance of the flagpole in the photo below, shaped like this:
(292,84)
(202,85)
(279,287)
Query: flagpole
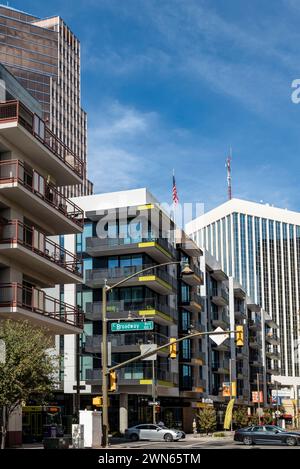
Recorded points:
(174,205)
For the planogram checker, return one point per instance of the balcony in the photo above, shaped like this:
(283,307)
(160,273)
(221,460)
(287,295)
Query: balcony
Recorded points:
(255,342)
(220,297)
(31,135)
(157,279)
(194,279)
(18,302)
(221,319)
(255,324)
(221,367)
(126,343)
(273,370)
(134,375)
(48,261)
(158,249)
(240,313)
(192,302)
(160,313)
(272,338)
(27,188)
(272,354)
(224,347)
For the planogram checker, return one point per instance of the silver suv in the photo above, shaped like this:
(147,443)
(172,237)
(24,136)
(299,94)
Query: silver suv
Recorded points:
(152,432)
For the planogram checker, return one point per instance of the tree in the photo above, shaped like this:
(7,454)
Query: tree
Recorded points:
(240,417)
(29,368)
(207,419)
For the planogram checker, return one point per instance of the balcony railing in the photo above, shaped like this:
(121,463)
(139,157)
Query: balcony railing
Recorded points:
(102,243)
(221,317)
(192,297)
(14,231)
(94,310)
(14,171)
(11,111)
(133,374)
(14,295)
(93,343)
(221,365)
(99,275)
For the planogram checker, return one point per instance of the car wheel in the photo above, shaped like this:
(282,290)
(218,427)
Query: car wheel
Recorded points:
(290,441)
(247,440)
(134,437)
(168,437)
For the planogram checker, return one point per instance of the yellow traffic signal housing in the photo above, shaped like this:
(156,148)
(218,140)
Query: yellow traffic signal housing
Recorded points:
(113,381)
(239,338)
(173,348)
(98,401)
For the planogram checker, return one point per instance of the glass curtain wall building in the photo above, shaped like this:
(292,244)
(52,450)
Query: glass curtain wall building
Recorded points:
(44,55)
(260,246)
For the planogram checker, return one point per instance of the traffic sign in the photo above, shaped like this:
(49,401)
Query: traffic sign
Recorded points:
(154,403)
(132,326)
(219,338)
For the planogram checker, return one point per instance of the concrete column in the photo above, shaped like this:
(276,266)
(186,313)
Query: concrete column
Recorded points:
(123,412)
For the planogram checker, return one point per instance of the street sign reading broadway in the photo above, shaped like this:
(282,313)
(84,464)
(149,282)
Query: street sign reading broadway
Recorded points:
(132,326)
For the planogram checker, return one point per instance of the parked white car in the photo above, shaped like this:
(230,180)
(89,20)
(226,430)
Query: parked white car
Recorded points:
(152,432)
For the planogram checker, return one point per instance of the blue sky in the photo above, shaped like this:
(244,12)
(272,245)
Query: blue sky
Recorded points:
(174,83)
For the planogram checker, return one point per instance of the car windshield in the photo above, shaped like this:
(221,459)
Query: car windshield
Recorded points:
(280,429)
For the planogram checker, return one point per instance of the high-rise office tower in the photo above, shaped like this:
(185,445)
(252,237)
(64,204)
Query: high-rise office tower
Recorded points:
(44,55)
(260,246)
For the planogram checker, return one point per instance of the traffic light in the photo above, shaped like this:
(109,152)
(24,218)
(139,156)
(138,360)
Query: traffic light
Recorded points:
(239,337)
(98,401)
(113,381)
(173,348)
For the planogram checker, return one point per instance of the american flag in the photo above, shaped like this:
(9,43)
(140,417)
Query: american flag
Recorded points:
(174,192)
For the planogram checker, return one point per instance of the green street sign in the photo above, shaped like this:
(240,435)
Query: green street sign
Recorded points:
(132,326)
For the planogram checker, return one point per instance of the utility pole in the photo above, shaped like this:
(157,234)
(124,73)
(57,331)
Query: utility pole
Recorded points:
(104,371)
(153,393)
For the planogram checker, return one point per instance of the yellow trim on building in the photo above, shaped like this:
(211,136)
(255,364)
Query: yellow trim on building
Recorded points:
(154,312)
(145,381)
(154,278)
(146,207)
(153,244)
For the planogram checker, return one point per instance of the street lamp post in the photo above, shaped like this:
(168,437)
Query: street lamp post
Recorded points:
(106,288)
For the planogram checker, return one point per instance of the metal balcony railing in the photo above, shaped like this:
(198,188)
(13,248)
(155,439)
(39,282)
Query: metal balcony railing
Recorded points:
(189,297)
(14,231)
(94,310)
(15,295)
(14,171)
(133,373)
(99,275)
(221,316)
(122,340)
(11,111)
(102,243)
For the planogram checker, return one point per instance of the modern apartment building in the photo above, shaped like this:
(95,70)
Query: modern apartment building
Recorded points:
(44,55)
(259,245)
(123,233)
(32,164)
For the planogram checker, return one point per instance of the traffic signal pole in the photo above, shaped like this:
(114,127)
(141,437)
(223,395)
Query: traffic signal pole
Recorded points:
(162,347)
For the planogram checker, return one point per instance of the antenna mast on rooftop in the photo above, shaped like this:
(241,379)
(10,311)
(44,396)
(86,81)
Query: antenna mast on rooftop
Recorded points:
(228,167)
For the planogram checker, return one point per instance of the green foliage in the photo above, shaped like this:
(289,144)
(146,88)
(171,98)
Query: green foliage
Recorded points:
(240,417)
(29,368)
(219,435)
(206,420)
